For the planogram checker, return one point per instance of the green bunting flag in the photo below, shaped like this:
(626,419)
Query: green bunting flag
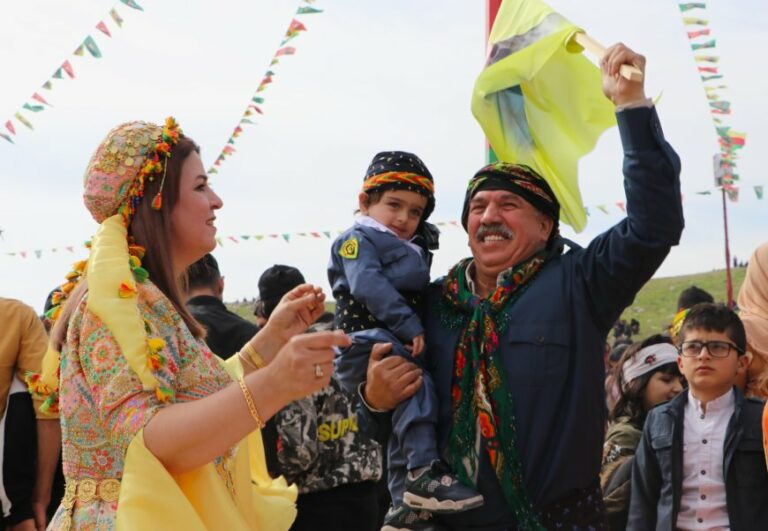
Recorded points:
(8,138)
(33,108)
(131,3)
(711,78)
(307,10)
(90,45)
(692,5)
(703,45)
(759,192)
(57,74)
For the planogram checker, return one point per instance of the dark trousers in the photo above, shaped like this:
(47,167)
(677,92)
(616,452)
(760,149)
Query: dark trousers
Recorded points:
(351,507)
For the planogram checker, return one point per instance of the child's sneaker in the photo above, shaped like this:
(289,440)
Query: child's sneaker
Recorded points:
(438,490)
(404,518)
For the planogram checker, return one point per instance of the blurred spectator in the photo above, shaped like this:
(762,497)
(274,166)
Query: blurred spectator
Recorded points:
(275,282)
(30,448)
(692,296)
(753,304)
(646,375)
(227,332)
(611,383)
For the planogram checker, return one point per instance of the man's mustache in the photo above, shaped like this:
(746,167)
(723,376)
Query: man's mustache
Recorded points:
(495,229)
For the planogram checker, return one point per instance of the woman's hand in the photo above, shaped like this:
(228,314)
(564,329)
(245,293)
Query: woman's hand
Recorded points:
(305,364)
(298,309)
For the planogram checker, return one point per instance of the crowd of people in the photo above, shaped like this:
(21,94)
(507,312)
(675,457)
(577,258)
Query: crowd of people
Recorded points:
(483,400)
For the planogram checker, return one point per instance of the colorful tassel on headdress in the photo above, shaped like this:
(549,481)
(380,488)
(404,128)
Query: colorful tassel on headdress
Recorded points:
(157,202)
(164,394)
(126,290)
(51,404)
(53,313)
(140,274)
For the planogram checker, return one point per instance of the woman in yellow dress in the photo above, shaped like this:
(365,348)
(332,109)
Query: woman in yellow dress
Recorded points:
(155,429)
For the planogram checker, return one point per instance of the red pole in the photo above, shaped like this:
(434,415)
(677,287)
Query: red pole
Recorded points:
(728,280)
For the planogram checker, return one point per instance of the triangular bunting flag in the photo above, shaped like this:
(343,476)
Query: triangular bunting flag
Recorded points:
(258,237)
(287,237)
(707,58)
(708,44)
(68,69)
(708,69)
(247,121)
(620,204)
(602,208)
(90,45)
(245,236)
(131,3)
(287,50)
(706,192)
(233,239)
(296,26)
(257,99)
(33,108)
(48,85)
(116,17)
(759,192)
(23,120)
(38,97)
(57,74)
(327,234)
(38,253)
(699,33)
(306,10)
(274,61)
(103,28)
(8,138)
(9,126)
(693,21)
(79,51)
(693,5)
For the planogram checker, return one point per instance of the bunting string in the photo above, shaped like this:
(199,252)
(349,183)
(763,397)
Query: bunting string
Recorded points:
(729,141)
(88,44)
(254,105)
(608,209)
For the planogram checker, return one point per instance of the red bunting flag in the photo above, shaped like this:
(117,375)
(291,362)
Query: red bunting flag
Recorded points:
(699,33)
(9,126)
(286,50)
(39,98)
(620,204)
(295,25)
(103,28)
(68,69)
(708,69)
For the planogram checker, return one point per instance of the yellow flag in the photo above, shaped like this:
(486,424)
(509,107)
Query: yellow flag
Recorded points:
(540,101)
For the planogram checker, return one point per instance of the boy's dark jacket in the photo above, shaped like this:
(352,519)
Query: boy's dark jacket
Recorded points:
(658,468)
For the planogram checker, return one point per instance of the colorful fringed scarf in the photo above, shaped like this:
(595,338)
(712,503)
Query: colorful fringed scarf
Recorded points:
(480,391)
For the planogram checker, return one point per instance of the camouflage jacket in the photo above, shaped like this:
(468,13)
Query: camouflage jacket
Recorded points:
(319,445)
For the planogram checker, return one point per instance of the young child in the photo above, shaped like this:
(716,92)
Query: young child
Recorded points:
(699,464)
(377,270)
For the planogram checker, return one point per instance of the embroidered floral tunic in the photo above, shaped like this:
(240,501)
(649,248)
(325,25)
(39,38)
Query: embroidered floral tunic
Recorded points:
(103,405)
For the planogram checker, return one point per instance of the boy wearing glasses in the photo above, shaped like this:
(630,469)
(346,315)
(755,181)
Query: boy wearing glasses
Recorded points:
(700,463)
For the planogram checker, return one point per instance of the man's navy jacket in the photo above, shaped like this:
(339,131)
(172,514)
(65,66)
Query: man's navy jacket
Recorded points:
(553,347)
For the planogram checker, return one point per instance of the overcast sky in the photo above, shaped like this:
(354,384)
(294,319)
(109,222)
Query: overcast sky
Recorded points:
(367,76)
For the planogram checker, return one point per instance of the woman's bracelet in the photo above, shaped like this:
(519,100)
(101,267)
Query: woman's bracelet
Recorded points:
(254,357)
(251,405)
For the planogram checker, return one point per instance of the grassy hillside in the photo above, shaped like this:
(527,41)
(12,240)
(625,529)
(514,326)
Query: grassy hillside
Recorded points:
(654,306)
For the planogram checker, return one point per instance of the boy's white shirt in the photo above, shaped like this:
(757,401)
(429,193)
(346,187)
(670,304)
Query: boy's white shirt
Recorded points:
(703,501)
(368,221)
